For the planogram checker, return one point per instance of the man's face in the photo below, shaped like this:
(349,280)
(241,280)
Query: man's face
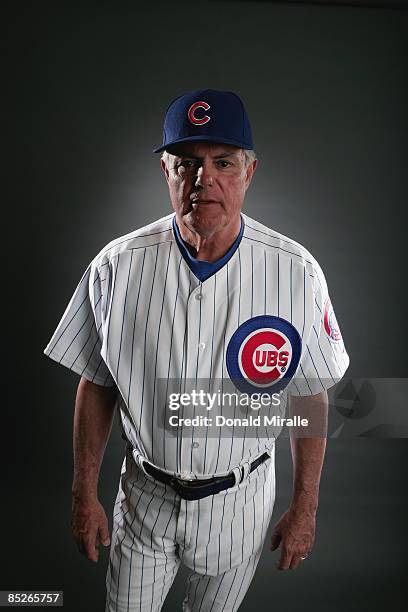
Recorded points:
(207,184)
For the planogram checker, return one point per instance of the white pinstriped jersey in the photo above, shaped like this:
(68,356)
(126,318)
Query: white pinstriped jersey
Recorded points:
(140,315)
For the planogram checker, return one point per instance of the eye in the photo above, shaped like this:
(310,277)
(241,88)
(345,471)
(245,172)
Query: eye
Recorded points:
(187,163)
(224,163)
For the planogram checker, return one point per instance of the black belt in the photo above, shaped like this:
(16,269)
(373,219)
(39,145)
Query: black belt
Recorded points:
(197,489)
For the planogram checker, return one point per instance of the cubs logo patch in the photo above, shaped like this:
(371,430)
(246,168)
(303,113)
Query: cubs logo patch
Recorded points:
(192,110)
(263,354)
(330,322)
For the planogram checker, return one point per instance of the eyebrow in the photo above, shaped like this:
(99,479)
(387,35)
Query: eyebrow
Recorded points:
(221,156)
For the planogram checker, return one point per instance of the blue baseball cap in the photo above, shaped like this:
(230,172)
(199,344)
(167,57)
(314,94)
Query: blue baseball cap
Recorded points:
(207,115)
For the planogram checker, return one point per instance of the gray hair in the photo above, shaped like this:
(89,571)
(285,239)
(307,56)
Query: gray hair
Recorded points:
(249,154)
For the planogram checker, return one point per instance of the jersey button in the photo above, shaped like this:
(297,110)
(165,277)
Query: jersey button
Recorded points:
(195,445)
(201,346)
(198,296)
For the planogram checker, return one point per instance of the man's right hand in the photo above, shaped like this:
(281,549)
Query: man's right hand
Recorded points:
(89,526)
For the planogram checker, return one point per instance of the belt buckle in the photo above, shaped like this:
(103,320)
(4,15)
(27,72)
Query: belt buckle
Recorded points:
(181,487)
(178,483)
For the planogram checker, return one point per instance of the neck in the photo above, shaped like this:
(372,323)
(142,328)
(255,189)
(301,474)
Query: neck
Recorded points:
(209,247)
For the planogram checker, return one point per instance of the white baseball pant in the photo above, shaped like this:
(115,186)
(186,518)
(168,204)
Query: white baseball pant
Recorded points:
(219,538)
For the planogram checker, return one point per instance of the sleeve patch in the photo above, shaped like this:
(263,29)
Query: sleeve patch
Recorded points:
(330,324)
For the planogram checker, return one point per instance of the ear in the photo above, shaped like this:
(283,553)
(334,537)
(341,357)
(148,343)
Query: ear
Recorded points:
(165,169)
(250,173)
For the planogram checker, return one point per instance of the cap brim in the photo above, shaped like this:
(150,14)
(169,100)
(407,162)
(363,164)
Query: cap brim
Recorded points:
(240,145)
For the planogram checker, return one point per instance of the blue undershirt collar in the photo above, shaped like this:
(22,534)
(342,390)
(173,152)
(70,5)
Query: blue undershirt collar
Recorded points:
(204,269)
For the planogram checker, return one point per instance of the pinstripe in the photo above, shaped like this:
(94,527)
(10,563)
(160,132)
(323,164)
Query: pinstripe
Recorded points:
(240,287)
(264,282)
(171,347)
(235,502)
(314,365)
(243,531)
(209,534)
(124,314)
(263,507)
(157,517)
(219,537)
(195,594)
(196,374)
(252,281)
(322,353)
(233,427)
(157,344)
(296,386)
(112,295)
(306,379)
(134,327)
(222,380)
(254,562)
(242,583)
(68,324)
(147,321)
(143,558)
(211,367)
(154,579)
(121,545)
(86,342)
(130,573)
(213,326)
(232,583)
(182,377)
(197,530)
(238,324)
(76,336)
(117,525)
(205,591)
(141,580)
(217,591)
(291,292)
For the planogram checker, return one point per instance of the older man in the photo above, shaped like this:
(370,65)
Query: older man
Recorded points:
(205,294)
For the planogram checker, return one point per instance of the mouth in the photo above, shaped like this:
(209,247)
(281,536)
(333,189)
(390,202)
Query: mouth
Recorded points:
(198,202)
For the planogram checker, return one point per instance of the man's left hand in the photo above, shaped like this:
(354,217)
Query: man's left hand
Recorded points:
(295,530)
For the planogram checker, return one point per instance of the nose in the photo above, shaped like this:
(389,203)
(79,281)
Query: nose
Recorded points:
(204,176)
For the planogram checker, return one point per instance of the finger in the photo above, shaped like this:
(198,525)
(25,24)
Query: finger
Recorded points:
(285,559)
(90,545)
(275,540)
(296,561)
(103,534)
(91,550)
(77,535)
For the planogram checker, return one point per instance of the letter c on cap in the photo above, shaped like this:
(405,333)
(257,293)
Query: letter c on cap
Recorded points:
(192,118)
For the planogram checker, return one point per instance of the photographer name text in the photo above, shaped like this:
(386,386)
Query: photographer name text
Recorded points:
(250,421)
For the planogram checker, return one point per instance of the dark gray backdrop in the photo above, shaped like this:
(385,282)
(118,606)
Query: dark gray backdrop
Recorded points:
(325,90)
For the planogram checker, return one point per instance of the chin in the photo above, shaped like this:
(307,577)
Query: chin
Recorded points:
(203,223)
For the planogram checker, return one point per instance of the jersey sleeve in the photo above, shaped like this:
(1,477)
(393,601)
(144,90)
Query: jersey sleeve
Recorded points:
(78,338)
(324,359)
